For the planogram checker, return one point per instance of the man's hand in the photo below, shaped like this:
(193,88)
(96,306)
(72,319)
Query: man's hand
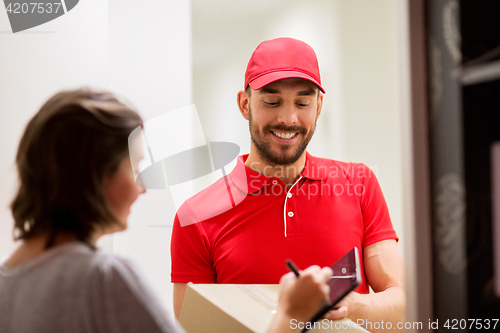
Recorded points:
(341,310)
(300,297)
(383,265)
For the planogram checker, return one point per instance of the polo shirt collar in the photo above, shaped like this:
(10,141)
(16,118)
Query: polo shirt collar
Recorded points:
(250,181)
(315,168)
(246,179)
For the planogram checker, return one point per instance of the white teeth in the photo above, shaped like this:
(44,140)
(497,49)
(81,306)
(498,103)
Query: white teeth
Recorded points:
(284,135)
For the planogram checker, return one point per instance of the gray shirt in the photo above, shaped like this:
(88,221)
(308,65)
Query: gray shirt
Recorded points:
(73,288)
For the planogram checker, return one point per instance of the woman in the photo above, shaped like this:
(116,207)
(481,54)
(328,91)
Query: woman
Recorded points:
(76,184)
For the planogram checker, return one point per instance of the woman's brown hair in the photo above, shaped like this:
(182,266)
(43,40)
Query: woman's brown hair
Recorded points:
(68,148)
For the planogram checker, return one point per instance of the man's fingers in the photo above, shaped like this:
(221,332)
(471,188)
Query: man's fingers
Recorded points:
(337,314)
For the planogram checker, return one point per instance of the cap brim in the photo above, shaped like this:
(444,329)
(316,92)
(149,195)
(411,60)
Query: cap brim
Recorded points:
(265,79)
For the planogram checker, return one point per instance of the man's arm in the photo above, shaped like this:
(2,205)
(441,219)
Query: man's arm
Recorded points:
(384,272)
(179,292)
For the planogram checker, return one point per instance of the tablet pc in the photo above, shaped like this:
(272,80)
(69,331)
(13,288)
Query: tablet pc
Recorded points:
(346,276)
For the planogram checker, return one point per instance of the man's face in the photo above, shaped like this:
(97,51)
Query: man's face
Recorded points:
(282,119)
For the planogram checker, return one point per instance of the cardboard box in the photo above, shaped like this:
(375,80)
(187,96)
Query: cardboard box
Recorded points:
(238,308)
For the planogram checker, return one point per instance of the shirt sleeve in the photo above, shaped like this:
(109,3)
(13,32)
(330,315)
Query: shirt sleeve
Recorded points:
(122,302)
(191,251)
(376,219)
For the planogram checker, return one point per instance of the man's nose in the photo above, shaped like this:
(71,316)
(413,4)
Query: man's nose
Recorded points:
(287,114)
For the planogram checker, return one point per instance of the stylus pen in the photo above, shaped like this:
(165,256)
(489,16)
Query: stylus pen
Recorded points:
(292,267)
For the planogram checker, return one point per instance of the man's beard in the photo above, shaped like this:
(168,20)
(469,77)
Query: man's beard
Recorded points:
(264,146)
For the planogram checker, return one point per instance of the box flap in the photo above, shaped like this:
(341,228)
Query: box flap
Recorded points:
(238,308)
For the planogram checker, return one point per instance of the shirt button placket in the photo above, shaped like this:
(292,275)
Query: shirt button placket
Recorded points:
(291,225)
(276,188)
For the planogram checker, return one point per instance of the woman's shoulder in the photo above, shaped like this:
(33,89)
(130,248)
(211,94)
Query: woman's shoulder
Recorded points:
(81,261)
(91,259)
(111,266)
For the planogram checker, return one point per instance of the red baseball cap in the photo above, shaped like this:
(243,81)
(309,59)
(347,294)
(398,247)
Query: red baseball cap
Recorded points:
(282,58)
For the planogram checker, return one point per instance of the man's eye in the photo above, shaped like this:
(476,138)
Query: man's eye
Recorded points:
(271,103)
(303,105)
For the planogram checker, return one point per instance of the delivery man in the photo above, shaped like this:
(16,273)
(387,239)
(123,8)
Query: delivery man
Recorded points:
(284,203)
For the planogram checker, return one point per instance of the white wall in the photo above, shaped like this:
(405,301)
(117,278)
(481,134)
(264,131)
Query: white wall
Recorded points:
(142,52)
(67,52)
(370,94)
(150,63)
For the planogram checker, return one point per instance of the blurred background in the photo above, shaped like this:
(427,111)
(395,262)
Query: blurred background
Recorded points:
(385,65)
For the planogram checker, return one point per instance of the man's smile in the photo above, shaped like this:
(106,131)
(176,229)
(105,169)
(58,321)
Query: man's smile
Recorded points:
(286,138)
(284,135)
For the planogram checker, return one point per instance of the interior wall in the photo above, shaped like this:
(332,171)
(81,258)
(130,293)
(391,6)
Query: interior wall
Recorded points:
(150,64)
(68,52)
(371,95)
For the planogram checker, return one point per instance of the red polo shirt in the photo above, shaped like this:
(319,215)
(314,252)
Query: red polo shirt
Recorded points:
(243,227)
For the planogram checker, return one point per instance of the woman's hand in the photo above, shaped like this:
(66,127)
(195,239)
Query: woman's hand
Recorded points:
(300,297)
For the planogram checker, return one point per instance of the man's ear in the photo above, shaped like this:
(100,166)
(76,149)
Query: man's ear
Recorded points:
(243,101)
(320,105)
